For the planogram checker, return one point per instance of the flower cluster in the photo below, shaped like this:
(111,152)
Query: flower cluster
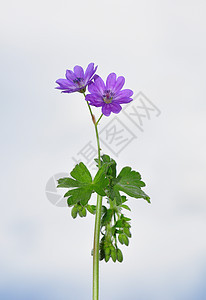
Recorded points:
(109,96)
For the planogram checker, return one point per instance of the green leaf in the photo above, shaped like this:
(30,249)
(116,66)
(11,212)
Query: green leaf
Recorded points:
(119,224)
(120,238)
(106,219)
(119,255)
(74,212)
(80,194)
(83,212)
(105,158)
(100,181)
(119,231)
(114,195)
(83,184)
(112,168)
(117,197)
(124,199)
(125,240)
(127,232)
(82,180)
(91,209)
(68,182)
(107,251)
(81,173)
(130,183)
(113,254)
(107,257)
(125,218)
(125,207)
(104,209)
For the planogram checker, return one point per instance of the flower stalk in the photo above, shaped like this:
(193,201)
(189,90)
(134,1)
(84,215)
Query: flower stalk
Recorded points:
(97,218)
(97,228)
(96,248)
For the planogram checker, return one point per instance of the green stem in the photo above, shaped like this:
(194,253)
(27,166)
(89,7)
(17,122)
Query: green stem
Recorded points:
(90,110)
(96,249)
(115,236)
(97,218)
(98,144)
(97,228)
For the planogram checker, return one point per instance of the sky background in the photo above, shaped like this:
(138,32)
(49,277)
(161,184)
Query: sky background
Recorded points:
(159,47)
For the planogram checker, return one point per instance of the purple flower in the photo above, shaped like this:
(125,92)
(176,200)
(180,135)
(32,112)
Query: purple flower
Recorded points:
(76,81)
(108,96)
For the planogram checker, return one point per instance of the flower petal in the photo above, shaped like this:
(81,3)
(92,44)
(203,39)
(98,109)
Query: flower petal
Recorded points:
(123,100)
(111,80)
(71,90)
(64,83)
(70,75)
(99,83)
(89,72)
(79,72)
(94,100)
(93,89)
(124,93)
(90,97)
(106,109)
(115,107)
(119,84)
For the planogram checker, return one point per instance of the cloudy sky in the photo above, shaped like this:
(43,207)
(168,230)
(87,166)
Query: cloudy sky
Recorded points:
(159,47)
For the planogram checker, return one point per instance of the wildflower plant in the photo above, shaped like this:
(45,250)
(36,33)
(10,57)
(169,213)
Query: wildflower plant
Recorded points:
(112,226)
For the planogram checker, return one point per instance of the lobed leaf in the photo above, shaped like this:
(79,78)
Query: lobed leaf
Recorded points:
(81,173)
(130,183)
(83,184)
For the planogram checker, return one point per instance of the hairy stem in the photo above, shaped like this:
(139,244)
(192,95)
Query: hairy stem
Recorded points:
(96,249)
(97,228)
(97,218)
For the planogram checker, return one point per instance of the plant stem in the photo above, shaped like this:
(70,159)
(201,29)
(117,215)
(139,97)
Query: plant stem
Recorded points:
(97,229)
(97,218)
(98,144)
(96,249)
(90,110)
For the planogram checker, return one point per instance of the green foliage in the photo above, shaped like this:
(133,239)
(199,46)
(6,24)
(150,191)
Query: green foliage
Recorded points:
(100,181)
(119,255)
(107,216)
(82,184)
(130,183)
(78,209)
(91,209)
(115,226)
